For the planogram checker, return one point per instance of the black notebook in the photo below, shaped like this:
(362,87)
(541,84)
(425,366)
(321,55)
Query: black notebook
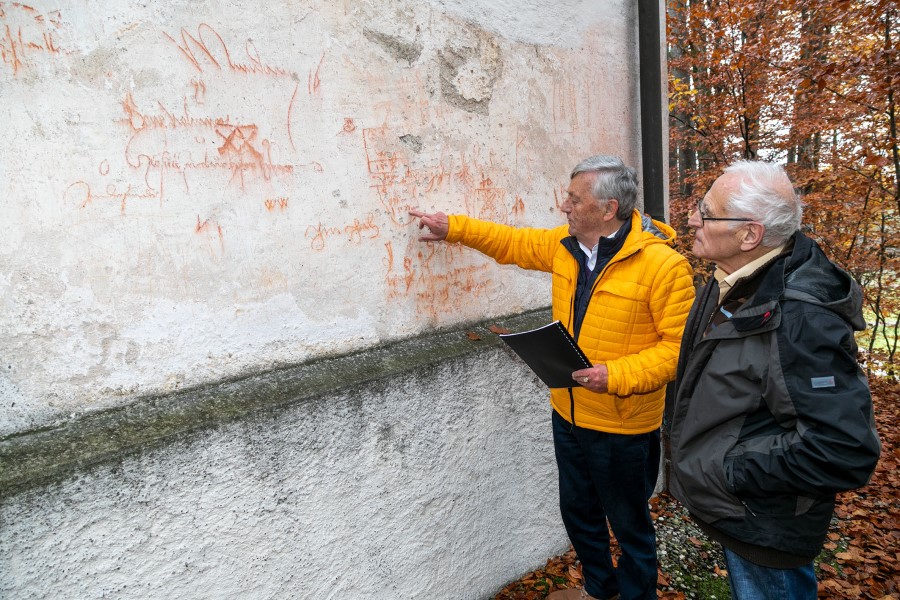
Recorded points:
(550,352)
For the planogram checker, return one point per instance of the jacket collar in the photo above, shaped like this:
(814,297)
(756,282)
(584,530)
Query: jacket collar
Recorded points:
(642,230)
(801,272)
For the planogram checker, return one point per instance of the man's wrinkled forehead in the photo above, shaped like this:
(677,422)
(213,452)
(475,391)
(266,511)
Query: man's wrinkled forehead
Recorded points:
(722,189)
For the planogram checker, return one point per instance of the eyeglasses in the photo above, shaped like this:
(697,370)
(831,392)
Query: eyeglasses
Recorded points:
(704,218)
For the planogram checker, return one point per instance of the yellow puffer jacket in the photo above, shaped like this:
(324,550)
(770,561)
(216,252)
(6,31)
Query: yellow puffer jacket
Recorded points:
(638,308)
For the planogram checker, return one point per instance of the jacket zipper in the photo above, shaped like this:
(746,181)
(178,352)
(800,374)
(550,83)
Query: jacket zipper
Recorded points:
(611,261)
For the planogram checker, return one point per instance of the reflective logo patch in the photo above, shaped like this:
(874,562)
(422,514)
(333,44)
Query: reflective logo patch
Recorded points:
(822,382)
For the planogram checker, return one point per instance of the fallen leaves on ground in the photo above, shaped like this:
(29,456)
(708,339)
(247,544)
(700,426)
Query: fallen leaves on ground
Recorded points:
(862,552)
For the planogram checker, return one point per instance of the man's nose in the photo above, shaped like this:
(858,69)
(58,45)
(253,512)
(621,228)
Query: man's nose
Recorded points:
(694,219)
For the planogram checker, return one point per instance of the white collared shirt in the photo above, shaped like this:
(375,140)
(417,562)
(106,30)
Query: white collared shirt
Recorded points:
(727,280)
(591,253)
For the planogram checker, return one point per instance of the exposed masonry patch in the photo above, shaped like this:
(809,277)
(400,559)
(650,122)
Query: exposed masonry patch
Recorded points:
(413,142)
(397,48)
(469,71)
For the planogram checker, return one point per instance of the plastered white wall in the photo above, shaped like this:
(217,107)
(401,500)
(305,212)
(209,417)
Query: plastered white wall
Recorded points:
(430,485)
(196,190)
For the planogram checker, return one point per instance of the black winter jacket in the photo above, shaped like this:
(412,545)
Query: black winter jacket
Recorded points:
(771,414)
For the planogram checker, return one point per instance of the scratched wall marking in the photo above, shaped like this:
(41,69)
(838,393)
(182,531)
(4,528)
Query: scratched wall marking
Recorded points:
(208,50)
(28,36)
(437,279)
(171,143)
(401,186)
(320,235)
(180,141)
(434,277)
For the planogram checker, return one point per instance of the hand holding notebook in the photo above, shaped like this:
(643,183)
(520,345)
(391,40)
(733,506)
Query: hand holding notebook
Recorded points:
(551,353)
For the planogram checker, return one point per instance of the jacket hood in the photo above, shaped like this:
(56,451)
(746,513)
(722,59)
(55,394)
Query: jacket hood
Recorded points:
(809,276)
(659,229)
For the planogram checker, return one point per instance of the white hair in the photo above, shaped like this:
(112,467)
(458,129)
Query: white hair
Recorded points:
(765,193)
(614,180)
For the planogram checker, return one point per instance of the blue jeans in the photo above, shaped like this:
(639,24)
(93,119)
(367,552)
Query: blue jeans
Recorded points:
(609,476)
(749,581)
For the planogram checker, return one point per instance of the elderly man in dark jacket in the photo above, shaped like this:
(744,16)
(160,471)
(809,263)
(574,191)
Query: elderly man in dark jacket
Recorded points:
(771,415)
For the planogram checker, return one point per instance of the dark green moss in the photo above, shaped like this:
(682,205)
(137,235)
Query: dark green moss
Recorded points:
(36,457)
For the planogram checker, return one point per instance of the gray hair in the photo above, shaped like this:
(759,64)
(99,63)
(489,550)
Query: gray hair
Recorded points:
(614,180)
(765,193)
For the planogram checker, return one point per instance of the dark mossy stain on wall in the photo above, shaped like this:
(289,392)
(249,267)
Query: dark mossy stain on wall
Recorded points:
(33,458)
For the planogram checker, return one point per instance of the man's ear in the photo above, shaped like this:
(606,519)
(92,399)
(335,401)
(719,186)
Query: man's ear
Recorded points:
(753,236)
(611,209)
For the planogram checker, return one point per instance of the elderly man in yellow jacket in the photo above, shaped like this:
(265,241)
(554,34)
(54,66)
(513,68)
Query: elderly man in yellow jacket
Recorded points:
(624,294)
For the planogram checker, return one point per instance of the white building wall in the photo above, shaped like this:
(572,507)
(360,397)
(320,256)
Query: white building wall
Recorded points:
(438,483)
(192,191)
(200,199)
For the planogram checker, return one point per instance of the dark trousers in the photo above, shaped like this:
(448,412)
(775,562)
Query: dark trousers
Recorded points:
(609,476)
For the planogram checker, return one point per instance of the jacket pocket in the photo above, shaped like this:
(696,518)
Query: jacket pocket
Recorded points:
(784,506)
(703,480)
(771,506)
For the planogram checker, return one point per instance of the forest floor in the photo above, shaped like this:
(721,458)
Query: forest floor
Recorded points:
(861,558)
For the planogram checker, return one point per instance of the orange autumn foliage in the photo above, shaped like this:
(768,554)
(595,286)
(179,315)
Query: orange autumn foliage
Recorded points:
(814,85)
